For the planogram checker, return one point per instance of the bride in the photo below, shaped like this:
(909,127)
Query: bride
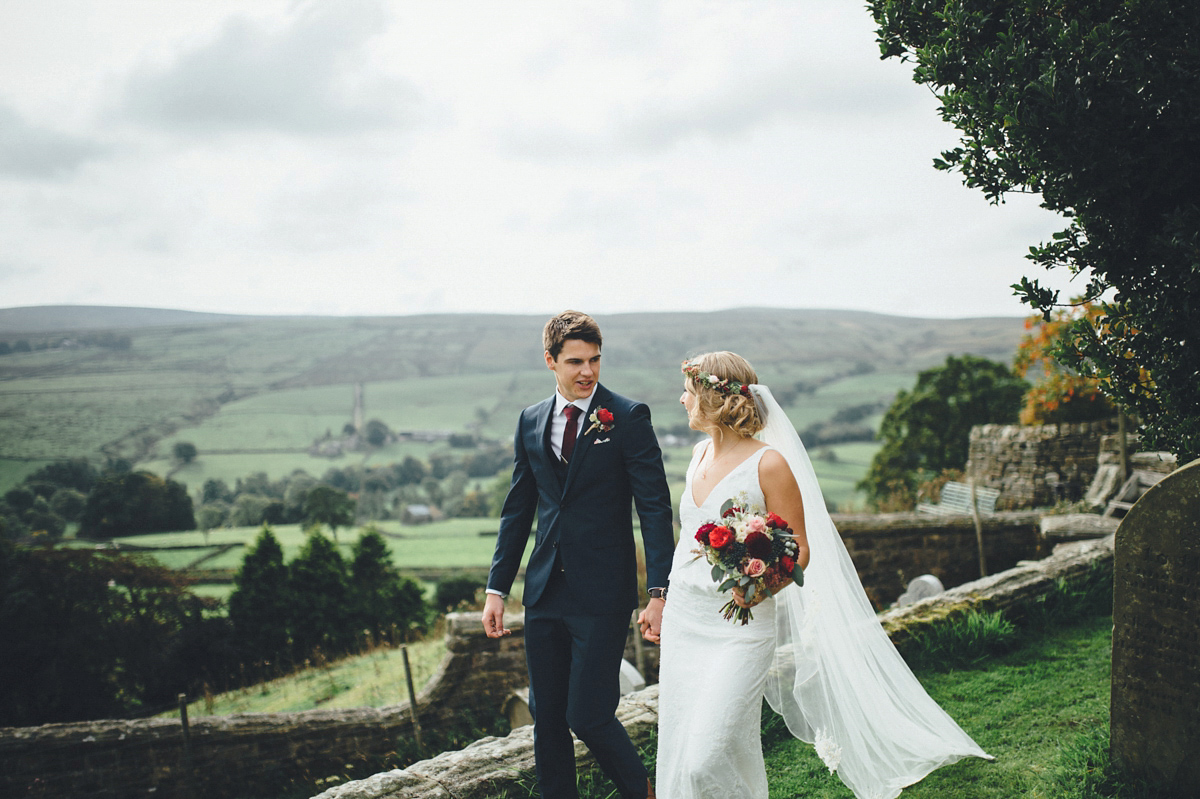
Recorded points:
(815,651)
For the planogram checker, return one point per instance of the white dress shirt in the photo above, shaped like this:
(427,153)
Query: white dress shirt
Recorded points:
(558,421)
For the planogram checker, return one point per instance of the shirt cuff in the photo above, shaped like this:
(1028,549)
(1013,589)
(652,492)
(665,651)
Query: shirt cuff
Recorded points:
(497,593)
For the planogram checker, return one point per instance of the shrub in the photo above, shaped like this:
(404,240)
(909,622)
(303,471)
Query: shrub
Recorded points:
(454,592)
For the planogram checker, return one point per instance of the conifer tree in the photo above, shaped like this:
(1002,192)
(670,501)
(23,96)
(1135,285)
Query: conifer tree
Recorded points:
(383,600)
(321,616)
(259,606)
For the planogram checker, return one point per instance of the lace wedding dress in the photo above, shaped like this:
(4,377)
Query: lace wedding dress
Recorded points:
(713,672)
(816,652)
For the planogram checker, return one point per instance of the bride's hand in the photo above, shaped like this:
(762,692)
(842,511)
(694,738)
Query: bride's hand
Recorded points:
(650,621)
(739,598)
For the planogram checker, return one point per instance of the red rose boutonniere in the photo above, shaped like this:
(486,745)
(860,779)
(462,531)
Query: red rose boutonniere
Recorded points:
(600,418)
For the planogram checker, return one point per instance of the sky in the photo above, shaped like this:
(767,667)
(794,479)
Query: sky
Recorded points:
(377,157)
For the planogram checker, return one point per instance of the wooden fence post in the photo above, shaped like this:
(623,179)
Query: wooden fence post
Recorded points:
(412,699)
(978,530)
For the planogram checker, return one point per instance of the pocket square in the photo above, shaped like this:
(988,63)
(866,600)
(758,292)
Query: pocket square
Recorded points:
(602,440)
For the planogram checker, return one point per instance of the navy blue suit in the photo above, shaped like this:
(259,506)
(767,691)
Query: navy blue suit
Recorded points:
(581,579)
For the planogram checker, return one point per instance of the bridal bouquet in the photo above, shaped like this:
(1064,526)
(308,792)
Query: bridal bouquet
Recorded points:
(750,550)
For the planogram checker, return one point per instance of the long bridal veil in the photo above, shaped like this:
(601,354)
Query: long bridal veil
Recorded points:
(837,679)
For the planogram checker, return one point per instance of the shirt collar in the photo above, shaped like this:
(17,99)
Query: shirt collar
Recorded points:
(561,402)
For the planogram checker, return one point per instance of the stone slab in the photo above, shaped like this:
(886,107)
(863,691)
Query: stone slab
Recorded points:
(1076,527)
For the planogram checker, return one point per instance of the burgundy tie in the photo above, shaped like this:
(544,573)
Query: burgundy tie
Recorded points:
(572,431)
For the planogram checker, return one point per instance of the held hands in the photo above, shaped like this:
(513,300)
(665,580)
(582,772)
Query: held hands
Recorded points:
(650,620)
(493,617)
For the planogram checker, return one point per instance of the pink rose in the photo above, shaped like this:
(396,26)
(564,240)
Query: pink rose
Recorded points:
(754,568)
(755,524)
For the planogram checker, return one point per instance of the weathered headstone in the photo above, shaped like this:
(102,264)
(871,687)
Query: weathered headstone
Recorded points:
(920,588)
(1156,635)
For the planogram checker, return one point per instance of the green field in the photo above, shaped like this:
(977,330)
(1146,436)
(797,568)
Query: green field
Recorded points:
(425,551)
(253,393)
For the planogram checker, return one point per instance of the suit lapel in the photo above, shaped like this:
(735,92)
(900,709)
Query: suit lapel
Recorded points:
(541,424)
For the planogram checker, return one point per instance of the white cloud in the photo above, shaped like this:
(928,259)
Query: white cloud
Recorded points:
(306,75)
(29,151)
(379,156)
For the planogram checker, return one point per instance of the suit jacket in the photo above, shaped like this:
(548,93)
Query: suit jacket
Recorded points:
(585,521)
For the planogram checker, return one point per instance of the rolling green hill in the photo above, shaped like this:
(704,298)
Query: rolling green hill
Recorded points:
(253,393)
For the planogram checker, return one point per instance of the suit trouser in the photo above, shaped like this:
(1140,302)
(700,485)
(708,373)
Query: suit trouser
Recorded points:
(574,662)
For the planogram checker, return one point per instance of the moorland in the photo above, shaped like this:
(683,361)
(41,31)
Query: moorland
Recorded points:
(254,393)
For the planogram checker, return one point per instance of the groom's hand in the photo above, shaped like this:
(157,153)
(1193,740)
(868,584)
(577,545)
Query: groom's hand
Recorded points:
(650,620)
(493,616)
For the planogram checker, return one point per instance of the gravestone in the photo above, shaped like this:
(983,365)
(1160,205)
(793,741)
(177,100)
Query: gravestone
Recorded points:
(1156,635)
(920,588)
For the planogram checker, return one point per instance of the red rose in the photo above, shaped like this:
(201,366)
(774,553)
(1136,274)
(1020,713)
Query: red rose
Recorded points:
(719,537)
(730,512)
(702,533)
(774,520)
(604,415)
(787,564)
(758,545)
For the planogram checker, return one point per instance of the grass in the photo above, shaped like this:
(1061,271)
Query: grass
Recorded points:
(1020,707)
(373,679)
(13,472)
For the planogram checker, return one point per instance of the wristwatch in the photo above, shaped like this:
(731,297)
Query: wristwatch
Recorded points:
(658,593)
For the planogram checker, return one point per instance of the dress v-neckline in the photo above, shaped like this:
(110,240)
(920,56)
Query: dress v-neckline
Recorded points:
(692,488)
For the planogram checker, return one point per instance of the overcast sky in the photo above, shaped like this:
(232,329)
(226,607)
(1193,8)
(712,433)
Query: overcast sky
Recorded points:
(376,157)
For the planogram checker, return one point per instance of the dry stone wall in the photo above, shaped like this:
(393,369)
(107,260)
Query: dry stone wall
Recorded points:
(1035,466)
(890,549)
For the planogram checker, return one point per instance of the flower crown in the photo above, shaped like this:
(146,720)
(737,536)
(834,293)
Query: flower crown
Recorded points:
(721,385)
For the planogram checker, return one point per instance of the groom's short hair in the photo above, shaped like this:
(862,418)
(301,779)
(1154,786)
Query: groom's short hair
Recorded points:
(570,324)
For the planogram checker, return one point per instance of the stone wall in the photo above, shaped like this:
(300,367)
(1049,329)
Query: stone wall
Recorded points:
(1036,466)
(258,752)
(890,549)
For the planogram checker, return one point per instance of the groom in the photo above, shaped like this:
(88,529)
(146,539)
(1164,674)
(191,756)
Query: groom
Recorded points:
(581,457)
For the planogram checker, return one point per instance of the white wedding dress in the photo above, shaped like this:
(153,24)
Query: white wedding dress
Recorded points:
(816,652)
(713,672)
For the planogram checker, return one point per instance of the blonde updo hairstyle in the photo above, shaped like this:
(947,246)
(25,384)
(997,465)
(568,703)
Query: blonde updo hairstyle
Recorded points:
(714,409)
